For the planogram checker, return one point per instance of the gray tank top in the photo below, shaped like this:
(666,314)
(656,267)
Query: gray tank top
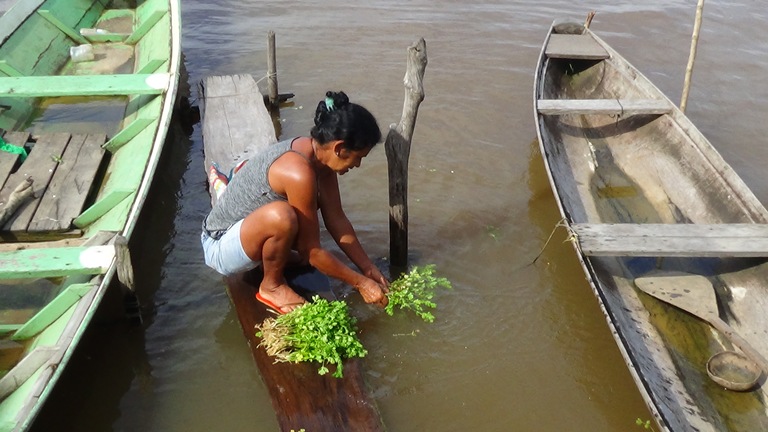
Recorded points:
(248,190)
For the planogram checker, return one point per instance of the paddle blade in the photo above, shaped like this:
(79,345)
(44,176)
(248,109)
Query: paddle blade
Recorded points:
(691,293)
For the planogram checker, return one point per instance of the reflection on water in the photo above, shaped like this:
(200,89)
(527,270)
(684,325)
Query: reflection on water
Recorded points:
(516,345)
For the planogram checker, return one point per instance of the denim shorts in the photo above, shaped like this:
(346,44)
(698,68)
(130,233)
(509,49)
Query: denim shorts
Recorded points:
(226,254)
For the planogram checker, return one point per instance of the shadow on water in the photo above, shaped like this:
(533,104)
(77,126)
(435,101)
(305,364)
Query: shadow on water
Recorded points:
(111,356)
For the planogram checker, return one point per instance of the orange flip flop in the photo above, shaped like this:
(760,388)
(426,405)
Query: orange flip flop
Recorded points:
(273,307)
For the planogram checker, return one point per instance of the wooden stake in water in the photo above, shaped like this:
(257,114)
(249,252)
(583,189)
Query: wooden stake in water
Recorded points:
(692,55)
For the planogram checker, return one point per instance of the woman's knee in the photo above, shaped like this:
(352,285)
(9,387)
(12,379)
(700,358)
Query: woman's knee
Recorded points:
(282,217)
(272,219)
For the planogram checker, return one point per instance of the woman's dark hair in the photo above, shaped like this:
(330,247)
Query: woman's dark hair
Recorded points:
(336,118)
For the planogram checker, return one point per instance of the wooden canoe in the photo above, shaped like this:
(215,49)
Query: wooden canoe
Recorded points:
(236,124)
(644,194)
(87,90)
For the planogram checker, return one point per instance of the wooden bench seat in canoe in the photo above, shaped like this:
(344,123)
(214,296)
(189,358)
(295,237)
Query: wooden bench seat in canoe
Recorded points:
(620,107)
(680,240)
(575,46)
(84,85)
(63,168)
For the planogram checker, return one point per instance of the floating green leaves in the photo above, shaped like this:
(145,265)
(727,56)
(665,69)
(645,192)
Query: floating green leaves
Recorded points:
(414,291)
(319,331)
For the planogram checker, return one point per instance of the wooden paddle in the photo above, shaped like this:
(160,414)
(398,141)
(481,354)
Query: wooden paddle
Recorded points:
(696,295)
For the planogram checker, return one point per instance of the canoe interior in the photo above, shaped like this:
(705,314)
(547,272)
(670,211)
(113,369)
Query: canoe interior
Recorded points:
(91,133)
(655,168)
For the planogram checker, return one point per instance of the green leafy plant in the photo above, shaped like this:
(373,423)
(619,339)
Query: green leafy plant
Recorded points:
(414,291)
(644,424)
(319,331)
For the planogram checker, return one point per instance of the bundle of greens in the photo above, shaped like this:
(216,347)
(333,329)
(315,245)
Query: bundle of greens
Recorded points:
(319,331)
(415,291)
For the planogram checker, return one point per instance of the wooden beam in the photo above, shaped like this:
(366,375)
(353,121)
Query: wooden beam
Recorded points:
(84,85)
(681,240)
(576,47)
(127,133)
(146,25)
(40,263)
(52,311)
(101,207)
(620,107)
(25,369)
(70,32)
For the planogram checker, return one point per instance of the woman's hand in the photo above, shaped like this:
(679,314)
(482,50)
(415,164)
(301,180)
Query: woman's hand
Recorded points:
(374,273)
(373,292)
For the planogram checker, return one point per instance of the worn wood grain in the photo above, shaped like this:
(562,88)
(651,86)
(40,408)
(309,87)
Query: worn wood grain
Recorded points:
(301,397)
(575,47)
(620,107)
(71,183)
(684,240)
(40,165)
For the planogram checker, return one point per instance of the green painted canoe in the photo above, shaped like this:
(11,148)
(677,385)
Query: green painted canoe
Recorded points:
(87,90)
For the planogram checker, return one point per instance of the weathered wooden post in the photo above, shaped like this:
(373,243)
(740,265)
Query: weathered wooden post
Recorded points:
(398,150)
(692,55)
(272,72)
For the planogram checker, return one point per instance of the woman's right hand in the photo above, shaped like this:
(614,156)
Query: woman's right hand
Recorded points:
(373,293)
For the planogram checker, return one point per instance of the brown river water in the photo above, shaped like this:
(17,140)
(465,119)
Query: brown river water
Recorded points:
(516,345)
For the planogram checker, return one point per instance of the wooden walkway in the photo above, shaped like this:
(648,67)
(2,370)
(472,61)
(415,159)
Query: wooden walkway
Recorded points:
(235,125)
(63,168)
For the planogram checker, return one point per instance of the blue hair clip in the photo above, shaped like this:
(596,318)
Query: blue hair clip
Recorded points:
(329,103)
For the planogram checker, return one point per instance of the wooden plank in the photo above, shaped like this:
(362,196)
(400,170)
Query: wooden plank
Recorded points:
(236,122)
(17,14)
(620,107)
(70,32)
(301,397)
(682,240)
(71,183)
(52,311)
(146,23)
(25,369)
(40,165)
(84,85)
(127,133)
(99,238)
(577,47)
(8,160)
(65,261)
(101,207)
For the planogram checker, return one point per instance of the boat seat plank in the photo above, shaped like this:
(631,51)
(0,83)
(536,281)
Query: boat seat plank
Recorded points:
(66,261)
(65,197)
(84,85)
(620,107)
(577,47)
(680,240)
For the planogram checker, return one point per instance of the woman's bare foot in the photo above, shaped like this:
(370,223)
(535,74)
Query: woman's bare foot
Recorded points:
(280,298)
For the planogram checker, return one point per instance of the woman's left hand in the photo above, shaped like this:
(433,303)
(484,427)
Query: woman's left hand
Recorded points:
(374,273)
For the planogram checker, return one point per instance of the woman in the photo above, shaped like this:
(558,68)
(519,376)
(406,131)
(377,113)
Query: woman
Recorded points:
(269,209)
